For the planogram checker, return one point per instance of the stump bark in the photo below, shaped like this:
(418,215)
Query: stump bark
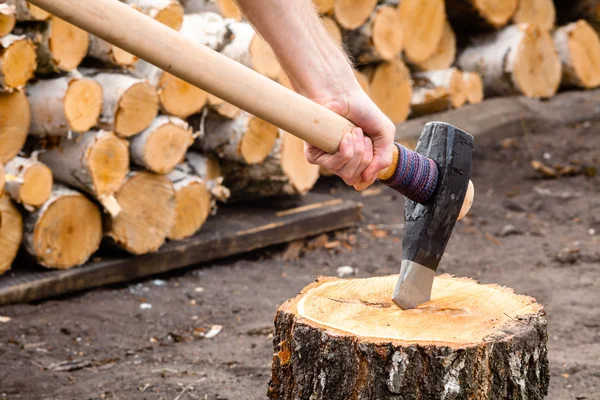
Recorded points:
(28,181)
(578,46)
(345,339)
(17,61)
(11,232)
(15,118)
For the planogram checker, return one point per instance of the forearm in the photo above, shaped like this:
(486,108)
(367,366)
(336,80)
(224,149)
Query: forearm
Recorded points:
(314,64)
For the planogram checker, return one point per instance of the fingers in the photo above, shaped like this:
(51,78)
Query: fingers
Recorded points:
(382,153)
(352,170)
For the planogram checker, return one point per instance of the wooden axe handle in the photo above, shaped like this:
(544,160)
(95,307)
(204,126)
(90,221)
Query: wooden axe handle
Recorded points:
(205,68)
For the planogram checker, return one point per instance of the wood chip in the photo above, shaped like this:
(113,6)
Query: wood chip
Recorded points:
(543,169)
(293,250)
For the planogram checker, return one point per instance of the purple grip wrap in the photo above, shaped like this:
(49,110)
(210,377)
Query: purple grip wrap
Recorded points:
(416,176)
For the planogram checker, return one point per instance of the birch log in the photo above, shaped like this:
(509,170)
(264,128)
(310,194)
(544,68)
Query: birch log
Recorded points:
(129,104)
(7,19)
(167,12)
(15,118)
(209,170)
(517,59)
(65,231)
(538,12)
(148,213)
(97,162)
(351,14)
(226,8)
(344,339)
(162,145)
(444,55)
(26,12)
(28,181)
(422,24)
(61,46)
(480,15)
(223,108)
(434,88)
(11,232)
(17,62)
(245,139)
(391,89)
(578,47)
(380,38)
(473,86)
(110,54)
(63,105)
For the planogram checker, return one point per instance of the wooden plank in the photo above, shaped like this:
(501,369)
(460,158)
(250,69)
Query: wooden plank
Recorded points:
(233,231)
(494,117)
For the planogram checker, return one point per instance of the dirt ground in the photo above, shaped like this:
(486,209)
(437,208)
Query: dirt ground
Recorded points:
(538,236)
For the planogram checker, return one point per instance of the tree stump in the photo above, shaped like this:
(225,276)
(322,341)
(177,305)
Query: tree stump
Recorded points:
(345,339)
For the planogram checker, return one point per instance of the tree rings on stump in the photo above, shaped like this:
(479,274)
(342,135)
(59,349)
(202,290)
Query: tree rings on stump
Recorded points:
(578,47)
(345,339)
(11,232)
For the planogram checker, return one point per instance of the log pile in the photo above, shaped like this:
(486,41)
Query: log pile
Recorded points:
(88,132)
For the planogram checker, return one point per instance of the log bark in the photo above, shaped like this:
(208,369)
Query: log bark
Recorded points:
(11,232)
(249,49)
(422,27)
(578,47)
(208,169)
(473,87)
(436,91)
(28,181)
(7,19)
(391,89)
(380,38)
(63,105)
(538,12)
(163,145)
(245,139)
(61,47)
(167,12)
(129,105)
(193,202)
(65,231)
(345,339)
(27,12)
(96,162)
(17,62)
(517,59)
(109,54)
(15,118)
(444,55)
(208,29)
(351,14)
(468,16)
(148,212)
(284,173)
(226,8)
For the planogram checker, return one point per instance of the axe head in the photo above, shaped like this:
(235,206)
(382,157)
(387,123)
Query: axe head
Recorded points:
(428,226)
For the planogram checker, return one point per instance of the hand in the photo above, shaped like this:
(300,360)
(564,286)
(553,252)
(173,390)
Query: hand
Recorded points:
(363,152)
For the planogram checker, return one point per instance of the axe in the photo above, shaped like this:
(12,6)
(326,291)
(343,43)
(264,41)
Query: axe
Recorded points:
(434,178)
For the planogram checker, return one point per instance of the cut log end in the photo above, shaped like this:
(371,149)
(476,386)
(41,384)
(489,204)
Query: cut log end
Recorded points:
(122,58)
(351,14)
(387,33)
(263,58)
(83,104)
(68,44)
(496,13)
(229,9)
(171,16)
(164,146)
(193,205)
(29,183)
(538,12)
(422,27)
(2,184)
(445,53)
(473,86)
(180,98)
(578,45)
(258,141)
(324,7)
(348,339)
(16,117)
(108,163)
(18,63)
(37,14)
(136,110)
(301,174)
(391,89)
(148,211)
(65,231)
(7,22)
(11,232)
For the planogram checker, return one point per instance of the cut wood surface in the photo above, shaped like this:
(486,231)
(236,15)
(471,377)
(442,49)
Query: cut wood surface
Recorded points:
(473,15)
(17,61)
(333,30)
(28,12)
(430,87)
(422,24)
(63,105)
(61,47)
(162,145)
(2,184)
(65,231)
(193,202)
(148,205)
(129,104)
(109,54)
(15,118)
(380,38)
(7,19)
(28,181)
(578,46)
(444,54)
(517,59)
(11,232)
(284,173)
(96,162)
(226,8)
(249,49)
(167,12)
(351,14)
(391,89)
(538,12)
(246,138)
(340,339)
(473,87)
(222,107)
(324,7)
